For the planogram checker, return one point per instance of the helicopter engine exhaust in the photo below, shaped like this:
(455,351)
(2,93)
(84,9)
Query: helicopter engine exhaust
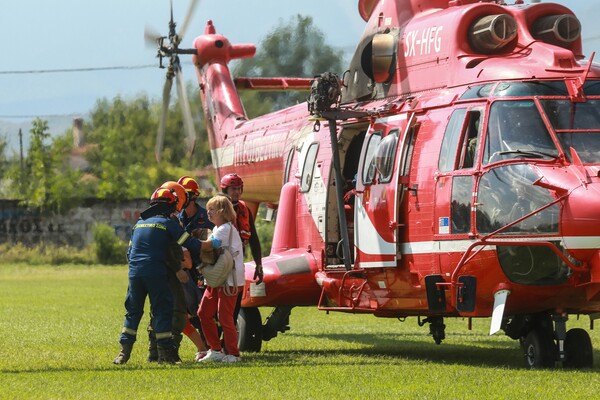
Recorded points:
(560,30)
(492,32)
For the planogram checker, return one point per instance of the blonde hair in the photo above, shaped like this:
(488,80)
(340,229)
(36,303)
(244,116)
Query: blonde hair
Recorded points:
(222,205)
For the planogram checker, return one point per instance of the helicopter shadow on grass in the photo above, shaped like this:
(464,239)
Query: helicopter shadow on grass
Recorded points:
(383,348)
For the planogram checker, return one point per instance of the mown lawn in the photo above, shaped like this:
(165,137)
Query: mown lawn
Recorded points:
(59,328)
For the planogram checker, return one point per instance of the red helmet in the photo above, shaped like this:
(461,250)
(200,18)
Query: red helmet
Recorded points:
(163,195)
(190,185)
(179,193)
(231,180)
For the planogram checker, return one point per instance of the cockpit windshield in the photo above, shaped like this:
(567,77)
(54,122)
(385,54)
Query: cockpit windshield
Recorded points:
(576,125)
(516,130)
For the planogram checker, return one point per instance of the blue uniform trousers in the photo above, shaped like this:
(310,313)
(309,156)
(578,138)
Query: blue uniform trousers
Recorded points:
(161,307)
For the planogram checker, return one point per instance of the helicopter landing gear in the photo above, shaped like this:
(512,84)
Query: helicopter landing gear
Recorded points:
(539,349)
(437,328)
(545,340)
(578,349)
(249,326)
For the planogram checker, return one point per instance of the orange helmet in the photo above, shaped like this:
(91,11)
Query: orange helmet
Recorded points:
(190,185)
(231,180)
(163,195)
(179,193)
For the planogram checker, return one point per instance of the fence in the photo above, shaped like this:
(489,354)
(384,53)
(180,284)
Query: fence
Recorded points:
(74,228)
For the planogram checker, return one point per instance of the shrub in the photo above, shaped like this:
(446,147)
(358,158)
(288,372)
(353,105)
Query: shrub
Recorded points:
(109,248)
(45,254)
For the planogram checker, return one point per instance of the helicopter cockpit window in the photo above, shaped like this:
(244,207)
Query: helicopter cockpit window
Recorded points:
(385,156)
(478,92)
(309,167)
(576,125)
(515,131)
(545,88)
(370,162)
(592,88)
(506,194)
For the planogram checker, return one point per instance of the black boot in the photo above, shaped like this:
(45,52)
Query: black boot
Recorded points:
(124,354)
(152,347)
(168,355)
(177,338)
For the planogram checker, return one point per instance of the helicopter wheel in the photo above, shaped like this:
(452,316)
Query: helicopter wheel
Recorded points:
(578,349)
(539,349)
(249,326)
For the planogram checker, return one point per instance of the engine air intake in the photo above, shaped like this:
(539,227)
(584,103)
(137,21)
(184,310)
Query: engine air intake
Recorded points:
(492,32)
(560,30)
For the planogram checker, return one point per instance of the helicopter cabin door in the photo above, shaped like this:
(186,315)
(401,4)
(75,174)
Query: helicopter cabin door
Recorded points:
(380,186)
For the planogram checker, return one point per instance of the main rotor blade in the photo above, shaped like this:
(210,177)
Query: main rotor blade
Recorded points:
(188,121)
(188,17)
(160,137)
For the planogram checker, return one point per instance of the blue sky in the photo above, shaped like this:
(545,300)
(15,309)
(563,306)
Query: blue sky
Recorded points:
(67,34)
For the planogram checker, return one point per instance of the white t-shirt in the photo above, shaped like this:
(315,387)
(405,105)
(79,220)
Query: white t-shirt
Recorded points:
(222,233)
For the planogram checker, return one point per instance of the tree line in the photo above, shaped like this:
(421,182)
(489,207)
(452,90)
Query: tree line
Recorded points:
(120,133)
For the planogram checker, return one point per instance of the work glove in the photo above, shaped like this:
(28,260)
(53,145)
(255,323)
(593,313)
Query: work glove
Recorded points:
(258,274)
(182,276)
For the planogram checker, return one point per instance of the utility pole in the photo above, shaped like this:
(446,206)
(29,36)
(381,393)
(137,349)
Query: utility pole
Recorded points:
(21,159)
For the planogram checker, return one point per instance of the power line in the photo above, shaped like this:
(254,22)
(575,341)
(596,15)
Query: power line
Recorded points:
(59,70)
(43,116)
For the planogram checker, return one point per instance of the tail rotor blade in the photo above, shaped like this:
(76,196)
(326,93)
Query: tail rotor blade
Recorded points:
(188,121)
(160,137)
(151,36)
(188,17)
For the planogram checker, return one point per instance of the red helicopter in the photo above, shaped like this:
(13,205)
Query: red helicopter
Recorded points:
(452,170)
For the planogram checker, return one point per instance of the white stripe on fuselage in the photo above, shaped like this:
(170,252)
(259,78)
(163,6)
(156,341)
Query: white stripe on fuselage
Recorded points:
(456,246)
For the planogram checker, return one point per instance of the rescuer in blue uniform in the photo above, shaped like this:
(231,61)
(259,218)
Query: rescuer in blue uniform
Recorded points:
(152,239)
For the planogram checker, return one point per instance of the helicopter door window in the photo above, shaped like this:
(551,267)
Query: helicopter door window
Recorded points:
(460,207)
(288,165)
(369,163)
(386,154)
(469,145)
(451,140)
(309,166)
(407,151)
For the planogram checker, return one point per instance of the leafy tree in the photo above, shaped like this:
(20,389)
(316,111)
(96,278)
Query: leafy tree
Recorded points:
(124,134)
(66,185)
(47,181)
(38,168)
(293,49)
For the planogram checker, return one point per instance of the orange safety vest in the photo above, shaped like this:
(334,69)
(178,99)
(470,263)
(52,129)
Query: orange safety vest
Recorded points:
(242,222)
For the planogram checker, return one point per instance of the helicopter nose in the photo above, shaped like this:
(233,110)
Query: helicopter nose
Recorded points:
(580,223)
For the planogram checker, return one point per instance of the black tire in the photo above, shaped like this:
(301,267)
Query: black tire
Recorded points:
(249,326)
(539,349)
(579,352)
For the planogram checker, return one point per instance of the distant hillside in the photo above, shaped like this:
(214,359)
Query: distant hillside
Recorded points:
(10,129)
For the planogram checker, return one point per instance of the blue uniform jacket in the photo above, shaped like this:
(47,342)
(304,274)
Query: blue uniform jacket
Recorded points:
(196,221)
(150,240)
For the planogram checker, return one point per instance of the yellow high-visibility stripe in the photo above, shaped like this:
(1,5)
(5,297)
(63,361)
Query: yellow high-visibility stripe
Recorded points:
(159,226)
(129,331)
(163,335)
(183,238)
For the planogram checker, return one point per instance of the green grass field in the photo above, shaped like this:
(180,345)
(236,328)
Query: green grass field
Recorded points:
(59,328)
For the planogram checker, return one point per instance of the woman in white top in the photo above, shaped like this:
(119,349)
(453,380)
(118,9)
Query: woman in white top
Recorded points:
(222,300)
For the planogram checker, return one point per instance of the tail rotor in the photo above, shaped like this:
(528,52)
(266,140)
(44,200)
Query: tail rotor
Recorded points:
(168,49)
